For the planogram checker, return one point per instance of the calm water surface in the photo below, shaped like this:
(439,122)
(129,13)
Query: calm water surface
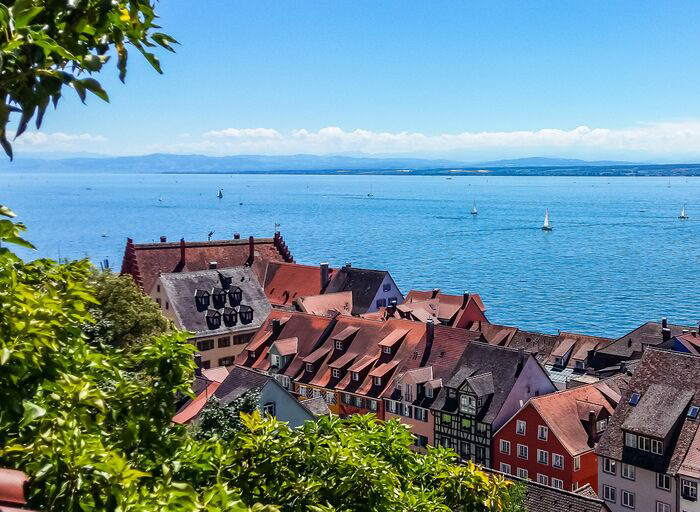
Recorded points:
(618,254)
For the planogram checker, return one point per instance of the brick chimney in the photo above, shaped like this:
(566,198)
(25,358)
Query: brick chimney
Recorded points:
(183,255)
(435,292)
(430,331)
(391,308)
(591,429)
(324,276)
(163,239)
(665,334)
(213,265)
(465,299)
(251,251)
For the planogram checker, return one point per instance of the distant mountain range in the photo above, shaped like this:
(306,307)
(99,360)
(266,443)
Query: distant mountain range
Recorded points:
(333,164)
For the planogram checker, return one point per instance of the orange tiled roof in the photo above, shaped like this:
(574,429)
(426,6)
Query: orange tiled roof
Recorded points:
(326,304)
(286,282)
(192,410)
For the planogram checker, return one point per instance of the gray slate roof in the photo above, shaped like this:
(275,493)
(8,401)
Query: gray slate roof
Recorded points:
(648,334)
(238,382)
(364,285)
(657,411)
(316,406)
(182,287)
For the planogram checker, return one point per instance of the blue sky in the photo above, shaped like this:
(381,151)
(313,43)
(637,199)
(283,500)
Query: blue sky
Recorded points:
(463,79)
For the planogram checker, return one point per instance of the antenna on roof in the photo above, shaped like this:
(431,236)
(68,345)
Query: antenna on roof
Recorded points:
(277,227)
(210,234)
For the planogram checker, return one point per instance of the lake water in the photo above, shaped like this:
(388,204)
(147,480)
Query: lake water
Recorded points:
(618,254)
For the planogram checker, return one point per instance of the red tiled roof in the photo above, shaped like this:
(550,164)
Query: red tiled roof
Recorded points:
(145,262)
(343,360)
(316,354)
(286,282)
(326,304)
(287,346)
(12,484)
(393,337)
(363,363)
(192,410)
(383,369)
(447,308)
(216,374)
(258,340)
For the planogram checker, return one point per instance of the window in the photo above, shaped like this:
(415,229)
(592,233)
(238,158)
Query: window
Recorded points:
(657,447)
(601,425)
(627,471)
(205,345)
(377,381)
(577,463)
(429,392)
(689,490)
(574,486)
(358,401)
(309,367)
(336,373)
(386,287)
(663,481)
(347,399)
(467,404)
(505,468)
(466,423)
(627,499)
(206,365)
(240,339)
(420,414)
(522,451)
(557,461)
(408,396)
(158,301)
(662,507)
(634,399)
(282,379)
(269,409)
(339,345)
(558,361)
(630,440)
(372,405)
(557,483)
(542,457)
(580,365)
(542,479)
(609,493)
(386,349)
(482,428)
(167,305)
(391,406)
(520,427)
(355,376)
(158,288)
(542,432)
(226,361)
(381,303)
(275,360)
(505,446)
(522,473)
(420,441)
(609,466)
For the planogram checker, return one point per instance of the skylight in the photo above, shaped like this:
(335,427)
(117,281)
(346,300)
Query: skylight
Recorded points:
(693,412)
(634,399)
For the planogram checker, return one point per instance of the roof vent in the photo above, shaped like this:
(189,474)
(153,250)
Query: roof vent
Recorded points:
(212,265)
(236,236)
(163,239)
(634,399)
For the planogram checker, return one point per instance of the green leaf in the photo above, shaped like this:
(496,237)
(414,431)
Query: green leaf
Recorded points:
(23,12)
(6,212)
(31,412)
(5,354)
(94,87)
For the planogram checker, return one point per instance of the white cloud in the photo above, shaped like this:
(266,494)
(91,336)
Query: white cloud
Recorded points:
(40,141)
(649,140)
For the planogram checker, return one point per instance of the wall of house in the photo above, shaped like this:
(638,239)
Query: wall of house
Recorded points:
(158,294)
(687,505)
(473,313)
(348,409)
(286,406)
(644,488)
(532,381)
(393,292)
(213,356)
(421,428)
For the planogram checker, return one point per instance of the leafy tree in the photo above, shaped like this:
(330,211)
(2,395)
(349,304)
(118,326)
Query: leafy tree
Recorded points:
(91,425)
(48,44)
(123,317)
(225,422)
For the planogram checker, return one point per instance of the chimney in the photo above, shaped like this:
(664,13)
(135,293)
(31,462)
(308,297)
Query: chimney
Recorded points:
(685,331)
(348,266)
(251,251)
(212,265)
(591,428)
(430,331)
(664,323)
(391,309)
(276,327)
(198,365)
(435,292)
(465,299)
(665,334)
(629,342)
(623,367)
(324,276)
(183,259)
(521,360)
(236,236)
(163,239)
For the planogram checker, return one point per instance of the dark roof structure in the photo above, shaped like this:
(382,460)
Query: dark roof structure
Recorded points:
(144,262)
(632,344)
(238,382)
(665,385)
(363,283)
(182,288)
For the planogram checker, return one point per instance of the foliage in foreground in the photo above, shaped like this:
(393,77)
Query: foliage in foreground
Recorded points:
(224,422)
(48,44)
(90,425)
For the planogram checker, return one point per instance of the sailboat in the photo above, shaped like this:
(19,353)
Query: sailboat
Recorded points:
(546,226)
(474,211)
(221,193)
(160,199)
(683,215)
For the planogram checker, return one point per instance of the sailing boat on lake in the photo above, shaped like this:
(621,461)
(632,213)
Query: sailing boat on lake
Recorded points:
(546,226)
(220,195)
(683,215)
(474,211)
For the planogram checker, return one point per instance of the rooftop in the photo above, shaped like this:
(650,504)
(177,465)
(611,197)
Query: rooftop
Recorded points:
(363,283)
(286,282)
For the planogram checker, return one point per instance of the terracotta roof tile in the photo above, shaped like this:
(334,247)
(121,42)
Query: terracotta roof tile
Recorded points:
(286,282)
(12,486)
(193,408)
(326,304)
(287,346)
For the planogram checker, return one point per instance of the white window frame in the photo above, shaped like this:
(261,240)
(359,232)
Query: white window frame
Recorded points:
(505,468)
(355,376)
(666,478)
(577,462)
(557,483)
(520,427)
(269,409)
(627,471)
(692,487)
(631,440)
(429,392)
(338,345)
(522,473)
(542,433)
(543,457)
(386,349)
(309,367)
(663,507)
(555,457)
(336,373)
(522,451)
(373,406)
(505,446)
(657,447)
(542,479)
(420,414)
(377,381)
(609,493)
(391,406)
(609,466)
(627,499)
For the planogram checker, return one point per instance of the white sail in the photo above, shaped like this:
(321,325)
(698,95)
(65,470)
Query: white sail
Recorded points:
(220,194)
(160,199)
(683,215)
(546,220)
(474,211)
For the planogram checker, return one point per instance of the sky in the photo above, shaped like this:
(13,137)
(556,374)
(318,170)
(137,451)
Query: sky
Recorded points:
(458,79)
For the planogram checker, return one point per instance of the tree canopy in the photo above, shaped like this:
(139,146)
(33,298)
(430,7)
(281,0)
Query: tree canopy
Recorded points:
(46,45)
(91,424)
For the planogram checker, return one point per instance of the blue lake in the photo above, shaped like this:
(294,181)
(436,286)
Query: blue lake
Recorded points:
(618,254)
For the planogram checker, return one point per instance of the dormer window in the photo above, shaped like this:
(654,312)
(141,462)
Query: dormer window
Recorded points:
(355,376)
(218,298)
(201,299)
(310,367)
(235,296)
(429,392)
(338,345)
(377,381)
(580,365)
(467,404)
(213,319)
(251,354)
(230,317)
(245,313)
(336,373)
(225,281)
(558,361)
(386,349)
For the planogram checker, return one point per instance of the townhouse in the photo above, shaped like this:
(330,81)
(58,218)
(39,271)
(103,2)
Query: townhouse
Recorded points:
(371,289)
(488,387)
(222,308)
(461,311)
(648,455)
(551,438)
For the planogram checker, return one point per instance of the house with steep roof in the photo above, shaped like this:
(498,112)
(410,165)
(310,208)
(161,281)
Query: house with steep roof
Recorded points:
(222,308)
(688,342)
(552,437)
(371,289)
(145,262)
(284,282)
(420,378)
(277,401)
(489,385)
(461,311)
(647,457)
